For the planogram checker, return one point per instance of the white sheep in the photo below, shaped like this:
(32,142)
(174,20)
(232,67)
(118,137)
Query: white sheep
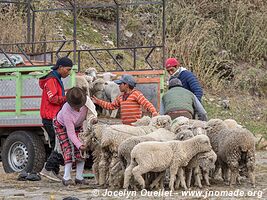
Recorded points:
(235,148)
(161,121)
(82,83)
(144,121)
(198,127)
(202,161)
(112,91)
(112,136)
(158,156)
(91,74)
(125,148)
(231,123)
(107,76)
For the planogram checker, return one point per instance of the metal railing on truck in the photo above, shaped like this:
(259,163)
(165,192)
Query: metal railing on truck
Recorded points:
(20,94)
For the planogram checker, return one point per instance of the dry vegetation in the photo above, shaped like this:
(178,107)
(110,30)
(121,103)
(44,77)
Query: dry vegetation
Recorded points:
(222,41)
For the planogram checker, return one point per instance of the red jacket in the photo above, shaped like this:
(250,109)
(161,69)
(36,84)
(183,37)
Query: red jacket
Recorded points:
(52,96)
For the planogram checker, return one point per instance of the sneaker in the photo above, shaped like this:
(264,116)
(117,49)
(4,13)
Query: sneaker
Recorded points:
(22,176)
(81,182)
(67,182)
(50,175)
(33,177)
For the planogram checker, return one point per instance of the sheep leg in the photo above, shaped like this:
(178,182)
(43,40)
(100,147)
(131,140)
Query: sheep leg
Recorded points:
(103,168)
(137,172)
(234,172)
(157,180)
(225,172)
(173,172)
(128,174)
(197,177)
(206,177)
(181,176)
(95,171)
(251,167)
(114,170)
(251,178)
(189,177)
(113,164)
(215,174)
(177,182)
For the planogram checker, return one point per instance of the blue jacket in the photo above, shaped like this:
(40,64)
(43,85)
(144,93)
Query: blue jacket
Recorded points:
(190,82)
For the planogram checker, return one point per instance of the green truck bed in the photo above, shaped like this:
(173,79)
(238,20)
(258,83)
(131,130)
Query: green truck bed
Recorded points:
(20,95)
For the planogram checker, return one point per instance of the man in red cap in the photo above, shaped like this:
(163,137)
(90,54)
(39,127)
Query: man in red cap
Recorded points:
(188,79)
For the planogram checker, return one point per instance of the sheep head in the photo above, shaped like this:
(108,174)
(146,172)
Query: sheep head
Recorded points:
(99,84)
(144,121)
(91,72)
(161,121)
(215,125)
(184,135)
(203,143)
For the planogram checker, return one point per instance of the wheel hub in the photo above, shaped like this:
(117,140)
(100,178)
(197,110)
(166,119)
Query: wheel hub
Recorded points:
(18,156)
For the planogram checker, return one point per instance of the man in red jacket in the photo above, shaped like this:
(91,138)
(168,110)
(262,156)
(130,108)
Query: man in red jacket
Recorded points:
(53,98)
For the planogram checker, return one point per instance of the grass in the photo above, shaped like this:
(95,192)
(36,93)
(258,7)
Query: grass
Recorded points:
(248,111)
(213,38)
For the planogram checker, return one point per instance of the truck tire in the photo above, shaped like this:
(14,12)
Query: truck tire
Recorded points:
(23,151)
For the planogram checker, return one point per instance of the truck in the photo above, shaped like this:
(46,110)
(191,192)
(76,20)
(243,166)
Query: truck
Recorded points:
(24,144)
(23,140)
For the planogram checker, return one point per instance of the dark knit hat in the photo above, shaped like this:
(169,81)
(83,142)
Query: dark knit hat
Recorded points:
(63,62)
(76,97)
(174,82)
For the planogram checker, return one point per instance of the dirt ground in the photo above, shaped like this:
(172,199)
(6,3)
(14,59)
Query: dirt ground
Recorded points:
(10,188)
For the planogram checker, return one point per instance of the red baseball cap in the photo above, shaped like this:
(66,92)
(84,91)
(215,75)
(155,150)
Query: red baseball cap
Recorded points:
(171,62)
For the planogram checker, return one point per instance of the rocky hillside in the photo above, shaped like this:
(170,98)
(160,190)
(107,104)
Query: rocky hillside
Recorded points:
(223,42)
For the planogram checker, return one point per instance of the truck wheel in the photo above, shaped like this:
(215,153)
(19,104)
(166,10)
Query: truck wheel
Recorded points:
(23,151)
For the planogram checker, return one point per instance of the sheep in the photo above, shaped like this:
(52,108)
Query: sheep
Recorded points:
(235,149)
(161,121)
(204,161)
(90,74)
(97,89)
(178,122)
(125,148)
(82,83)
(158,156)
(231,123)
(112,136)
(144,121)
(112,91)
(107,76)
(198,127)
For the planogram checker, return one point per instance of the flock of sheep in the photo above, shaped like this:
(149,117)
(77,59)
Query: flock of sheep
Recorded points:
(158,151)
